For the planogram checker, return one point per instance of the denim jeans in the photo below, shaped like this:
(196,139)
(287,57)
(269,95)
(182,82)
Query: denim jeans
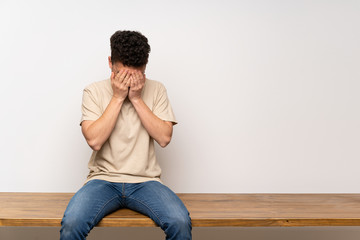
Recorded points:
(98,198)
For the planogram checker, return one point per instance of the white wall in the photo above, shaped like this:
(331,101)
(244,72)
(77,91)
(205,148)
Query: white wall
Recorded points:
(266,92)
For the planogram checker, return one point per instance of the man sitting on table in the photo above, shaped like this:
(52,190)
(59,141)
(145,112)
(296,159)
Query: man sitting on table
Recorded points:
(121,118)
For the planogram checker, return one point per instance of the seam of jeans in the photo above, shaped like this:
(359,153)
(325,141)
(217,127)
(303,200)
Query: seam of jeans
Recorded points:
(149,209)
(115,189)
(93,220)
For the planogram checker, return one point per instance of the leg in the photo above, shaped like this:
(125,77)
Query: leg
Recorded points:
(162,205)
(87,207)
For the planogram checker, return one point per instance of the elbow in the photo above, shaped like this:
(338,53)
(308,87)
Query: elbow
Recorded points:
(94,145)
(165,141)
(91,140)
(166,137)
(163,144)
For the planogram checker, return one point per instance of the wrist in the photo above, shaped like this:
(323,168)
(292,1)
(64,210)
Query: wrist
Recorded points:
(135,100)
(117,100)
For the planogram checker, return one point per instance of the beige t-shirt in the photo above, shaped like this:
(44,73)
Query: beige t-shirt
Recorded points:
(128,155)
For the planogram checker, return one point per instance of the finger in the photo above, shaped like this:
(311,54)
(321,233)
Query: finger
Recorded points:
(112,76)
(128,82)
(141,77)
(133,82)
(132,75)
(136,75)
(127,77)
(123,74)
(132,85)
(137,84)
(117,75)
(124,82)
(122,77)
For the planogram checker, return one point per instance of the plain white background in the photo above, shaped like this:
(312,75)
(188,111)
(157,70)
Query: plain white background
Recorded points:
(266,92)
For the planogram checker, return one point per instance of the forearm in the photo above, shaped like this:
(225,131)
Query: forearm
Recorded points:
(97,132)
(157,128)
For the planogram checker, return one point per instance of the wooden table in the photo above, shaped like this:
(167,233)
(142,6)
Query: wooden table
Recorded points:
(206,210)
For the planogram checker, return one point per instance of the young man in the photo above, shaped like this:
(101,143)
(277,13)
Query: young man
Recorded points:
(121,118)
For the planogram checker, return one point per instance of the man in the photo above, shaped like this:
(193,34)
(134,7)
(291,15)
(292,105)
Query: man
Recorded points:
(121,118)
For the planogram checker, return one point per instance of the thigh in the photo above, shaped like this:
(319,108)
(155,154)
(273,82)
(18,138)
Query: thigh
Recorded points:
(157,201)
(92,202)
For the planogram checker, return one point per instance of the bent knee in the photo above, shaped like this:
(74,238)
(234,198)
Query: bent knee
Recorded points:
(179,221)
(178,227)
(74,226)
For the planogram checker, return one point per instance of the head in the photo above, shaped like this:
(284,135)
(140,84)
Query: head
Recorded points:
(129,49)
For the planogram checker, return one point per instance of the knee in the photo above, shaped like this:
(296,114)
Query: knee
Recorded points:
(179,226)
(183,222)
(73,227)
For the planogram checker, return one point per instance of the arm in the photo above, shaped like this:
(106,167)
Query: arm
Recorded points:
(157,128)
(97,132)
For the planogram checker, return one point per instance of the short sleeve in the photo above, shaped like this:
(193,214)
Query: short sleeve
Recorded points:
(162,107)
(90,107)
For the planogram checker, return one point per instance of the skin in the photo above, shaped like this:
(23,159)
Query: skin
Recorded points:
(126,82)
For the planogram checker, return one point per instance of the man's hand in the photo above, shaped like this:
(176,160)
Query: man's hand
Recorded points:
(137,82)
(120,83)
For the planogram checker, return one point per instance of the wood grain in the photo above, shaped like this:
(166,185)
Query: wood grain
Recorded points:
(206,210)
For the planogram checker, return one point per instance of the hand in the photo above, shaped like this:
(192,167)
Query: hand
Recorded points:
(137,82)
(120,83)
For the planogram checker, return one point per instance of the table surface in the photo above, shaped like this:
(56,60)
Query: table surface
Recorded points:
(206,210)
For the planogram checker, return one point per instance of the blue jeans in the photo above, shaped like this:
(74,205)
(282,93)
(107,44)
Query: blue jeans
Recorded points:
(98,198)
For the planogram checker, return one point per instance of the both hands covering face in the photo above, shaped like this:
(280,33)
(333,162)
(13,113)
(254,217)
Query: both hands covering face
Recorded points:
(127,83)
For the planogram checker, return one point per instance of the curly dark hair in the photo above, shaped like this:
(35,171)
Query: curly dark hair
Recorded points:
(131,48)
